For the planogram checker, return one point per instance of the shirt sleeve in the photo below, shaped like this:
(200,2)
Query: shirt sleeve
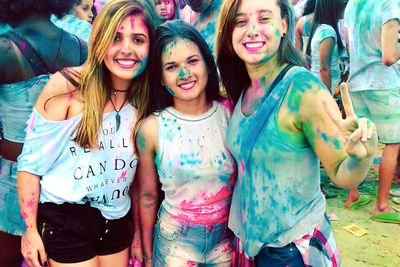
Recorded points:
(44,142)
(326,31)
(390,10)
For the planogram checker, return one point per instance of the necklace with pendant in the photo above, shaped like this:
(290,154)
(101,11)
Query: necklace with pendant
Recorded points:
(117,116)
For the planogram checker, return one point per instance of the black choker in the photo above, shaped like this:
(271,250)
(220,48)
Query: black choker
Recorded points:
(120,91)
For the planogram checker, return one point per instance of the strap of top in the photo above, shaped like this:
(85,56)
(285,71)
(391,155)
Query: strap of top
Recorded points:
(272,101)
(36,62)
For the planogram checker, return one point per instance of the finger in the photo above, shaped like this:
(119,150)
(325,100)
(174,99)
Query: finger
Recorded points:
(35,262)
(362,125)
(334,114)
(346,100)
(371,128)
(43,256)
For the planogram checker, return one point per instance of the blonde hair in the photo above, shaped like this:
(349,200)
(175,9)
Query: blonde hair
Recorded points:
(95,82)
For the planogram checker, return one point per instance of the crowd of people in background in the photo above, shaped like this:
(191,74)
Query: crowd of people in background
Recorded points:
(192,132)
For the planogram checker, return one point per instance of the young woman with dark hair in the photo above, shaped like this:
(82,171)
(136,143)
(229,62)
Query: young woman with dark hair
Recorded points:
(182,145)
(303,27)
(284,123)
(325,44)
(29,53)
(78,159)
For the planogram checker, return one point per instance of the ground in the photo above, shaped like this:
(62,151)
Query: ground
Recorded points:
(381,245)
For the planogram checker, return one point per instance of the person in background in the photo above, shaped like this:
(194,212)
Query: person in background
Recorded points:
(371,37)
(203,15)
(166,9)
(78,20)
(325,44)
(74,190)
(29,53)
(303,28)
(182,145)
(284,124)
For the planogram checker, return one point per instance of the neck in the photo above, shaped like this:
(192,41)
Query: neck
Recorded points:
(266,71)
(193,107)
(37,21)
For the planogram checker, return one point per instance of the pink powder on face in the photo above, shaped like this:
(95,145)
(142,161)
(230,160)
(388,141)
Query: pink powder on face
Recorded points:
(143,26)
(70,97)
(24,215)
(121,28)
(132,19)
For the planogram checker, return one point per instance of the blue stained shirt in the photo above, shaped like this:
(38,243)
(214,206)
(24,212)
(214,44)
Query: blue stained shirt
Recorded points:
(277,198)
(364,20)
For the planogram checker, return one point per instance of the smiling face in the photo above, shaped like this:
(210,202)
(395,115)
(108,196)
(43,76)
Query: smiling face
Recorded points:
(184,72)
(258,31)
(127,56)
(165,9)
(83,11)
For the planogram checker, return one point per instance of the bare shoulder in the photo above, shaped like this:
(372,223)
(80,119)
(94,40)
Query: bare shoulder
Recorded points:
(58,95)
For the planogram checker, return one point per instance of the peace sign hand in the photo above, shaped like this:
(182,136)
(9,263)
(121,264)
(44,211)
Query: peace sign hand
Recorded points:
(359,133)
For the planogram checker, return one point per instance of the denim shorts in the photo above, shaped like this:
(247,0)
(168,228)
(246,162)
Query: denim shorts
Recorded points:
(383,108)
(181,243)
(73,233)
(10,217)
(288,255)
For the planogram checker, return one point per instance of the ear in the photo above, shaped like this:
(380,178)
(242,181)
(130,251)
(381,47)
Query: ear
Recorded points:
(285,26)
(162,82)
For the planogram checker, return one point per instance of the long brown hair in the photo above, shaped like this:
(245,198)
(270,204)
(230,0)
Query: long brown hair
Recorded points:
(95,77)
(233,71)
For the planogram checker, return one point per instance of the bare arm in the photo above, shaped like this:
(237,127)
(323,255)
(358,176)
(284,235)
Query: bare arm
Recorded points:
(28,196)
(345,147)
(389,42)
(299,34)
(146,141)
(136,246)
(325,59)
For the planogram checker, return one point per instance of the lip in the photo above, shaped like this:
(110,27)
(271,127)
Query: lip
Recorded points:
(253,46)
(187,85)
(126,63)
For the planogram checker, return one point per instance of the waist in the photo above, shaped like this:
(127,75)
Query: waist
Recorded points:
(197,214)
(10,150)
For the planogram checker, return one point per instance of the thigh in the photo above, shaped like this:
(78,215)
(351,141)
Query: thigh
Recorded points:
(117,259)
(280,257)
(89,263)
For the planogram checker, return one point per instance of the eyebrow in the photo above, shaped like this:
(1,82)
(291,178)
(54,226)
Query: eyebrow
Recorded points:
(258,11)
(172,62)
(135,34)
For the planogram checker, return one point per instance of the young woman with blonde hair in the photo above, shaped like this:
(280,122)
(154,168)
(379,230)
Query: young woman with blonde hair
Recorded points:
(78,160)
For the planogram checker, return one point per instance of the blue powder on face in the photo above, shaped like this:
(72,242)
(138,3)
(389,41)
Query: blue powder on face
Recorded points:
(170,90)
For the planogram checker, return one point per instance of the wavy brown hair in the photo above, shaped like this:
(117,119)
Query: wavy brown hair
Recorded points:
(233,71)
(95,82)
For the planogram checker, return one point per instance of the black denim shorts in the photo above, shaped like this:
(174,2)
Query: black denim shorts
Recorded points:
(74,233)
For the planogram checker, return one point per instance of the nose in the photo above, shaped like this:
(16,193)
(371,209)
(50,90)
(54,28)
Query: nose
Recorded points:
(184,73)
(126,48)
(253,30)
(163,6)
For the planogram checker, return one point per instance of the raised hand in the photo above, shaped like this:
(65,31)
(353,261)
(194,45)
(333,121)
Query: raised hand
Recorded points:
(359,133)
